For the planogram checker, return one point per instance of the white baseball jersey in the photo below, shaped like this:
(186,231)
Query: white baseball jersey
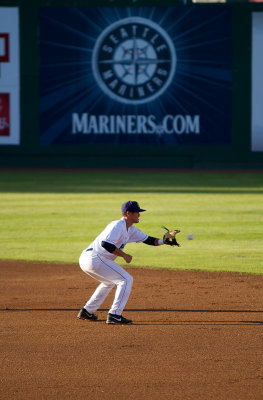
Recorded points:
(117,234)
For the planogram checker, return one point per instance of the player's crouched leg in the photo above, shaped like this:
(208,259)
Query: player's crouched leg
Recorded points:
(123,290)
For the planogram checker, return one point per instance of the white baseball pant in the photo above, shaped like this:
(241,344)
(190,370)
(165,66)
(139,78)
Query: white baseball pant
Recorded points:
(109,273)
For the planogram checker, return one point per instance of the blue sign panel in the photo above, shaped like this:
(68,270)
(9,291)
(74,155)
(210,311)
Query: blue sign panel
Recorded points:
(141,75)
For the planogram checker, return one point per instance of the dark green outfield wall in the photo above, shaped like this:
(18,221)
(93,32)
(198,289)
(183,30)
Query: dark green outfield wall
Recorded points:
(31,154)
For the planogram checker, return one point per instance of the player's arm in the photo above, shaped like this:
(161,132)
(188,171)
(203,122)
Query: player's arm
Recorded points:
(152,241)
(111,248)
(168,238)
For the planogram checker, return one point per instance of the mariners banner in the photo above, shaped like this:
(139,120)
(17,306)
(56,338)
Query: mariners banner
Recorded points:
(138,75)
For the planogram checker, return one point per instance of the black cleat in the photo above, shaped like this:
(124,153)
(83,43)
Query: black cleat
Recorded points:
(84,314)
(117,319)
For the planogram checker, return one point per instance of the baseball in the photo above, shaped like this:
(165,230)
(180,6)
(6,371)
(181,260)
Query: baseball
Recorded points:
(190,236)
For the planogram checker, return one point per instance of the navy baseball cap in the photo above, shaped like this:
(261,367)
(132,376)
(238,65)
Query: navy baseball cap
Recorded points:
(131,206)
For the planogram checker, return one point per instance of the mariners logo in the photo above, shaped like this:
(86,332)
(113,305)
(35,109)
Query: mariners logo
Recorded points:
(134,60)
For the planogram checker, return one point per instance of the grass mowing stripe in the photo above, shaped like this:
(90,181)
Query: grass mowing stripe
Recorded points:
(52,216)
(114,182)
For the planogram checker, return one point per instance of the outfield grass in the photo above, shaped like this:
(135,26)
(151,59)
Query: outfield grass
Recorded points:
(52,216)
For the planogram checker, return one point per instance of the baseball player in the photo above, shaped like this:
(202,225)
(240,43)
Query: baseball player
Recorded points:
(98,261)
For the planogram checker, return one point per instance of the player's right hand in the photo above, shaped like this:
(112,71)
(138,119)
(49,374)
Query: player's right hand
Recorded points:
(127,258)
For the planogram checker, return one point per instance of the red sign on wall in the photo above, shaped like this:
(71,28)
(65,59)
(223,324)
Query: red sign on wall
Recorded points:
(4,114)
(4,48)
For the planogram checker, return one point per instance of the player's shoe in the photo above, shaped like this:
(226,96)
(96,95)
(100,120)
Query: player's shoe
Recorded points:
(117,319)
(84,314)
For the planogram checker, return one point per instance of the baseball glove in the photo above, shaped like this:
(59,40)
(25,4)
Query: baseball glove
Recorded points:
(169,237)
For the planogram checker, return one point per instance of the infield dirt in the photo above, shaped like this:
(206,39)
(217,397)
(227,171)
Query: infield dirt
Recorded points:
(196,335)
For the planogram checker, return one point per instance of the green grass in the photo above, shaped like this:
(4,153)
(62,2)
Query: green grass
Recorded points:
(52,216)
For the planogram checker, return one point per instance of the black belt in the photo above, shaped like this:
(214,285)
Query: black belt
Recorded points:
(90,249)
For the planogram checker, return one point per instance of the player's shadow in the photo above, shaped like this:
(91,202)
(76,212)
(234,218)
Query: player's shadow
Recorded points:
(203,322)
(180,321)
(188,310)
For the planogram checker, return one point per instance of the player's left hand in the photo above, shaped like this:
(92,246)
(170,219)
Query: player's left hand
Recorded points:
(169,237)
